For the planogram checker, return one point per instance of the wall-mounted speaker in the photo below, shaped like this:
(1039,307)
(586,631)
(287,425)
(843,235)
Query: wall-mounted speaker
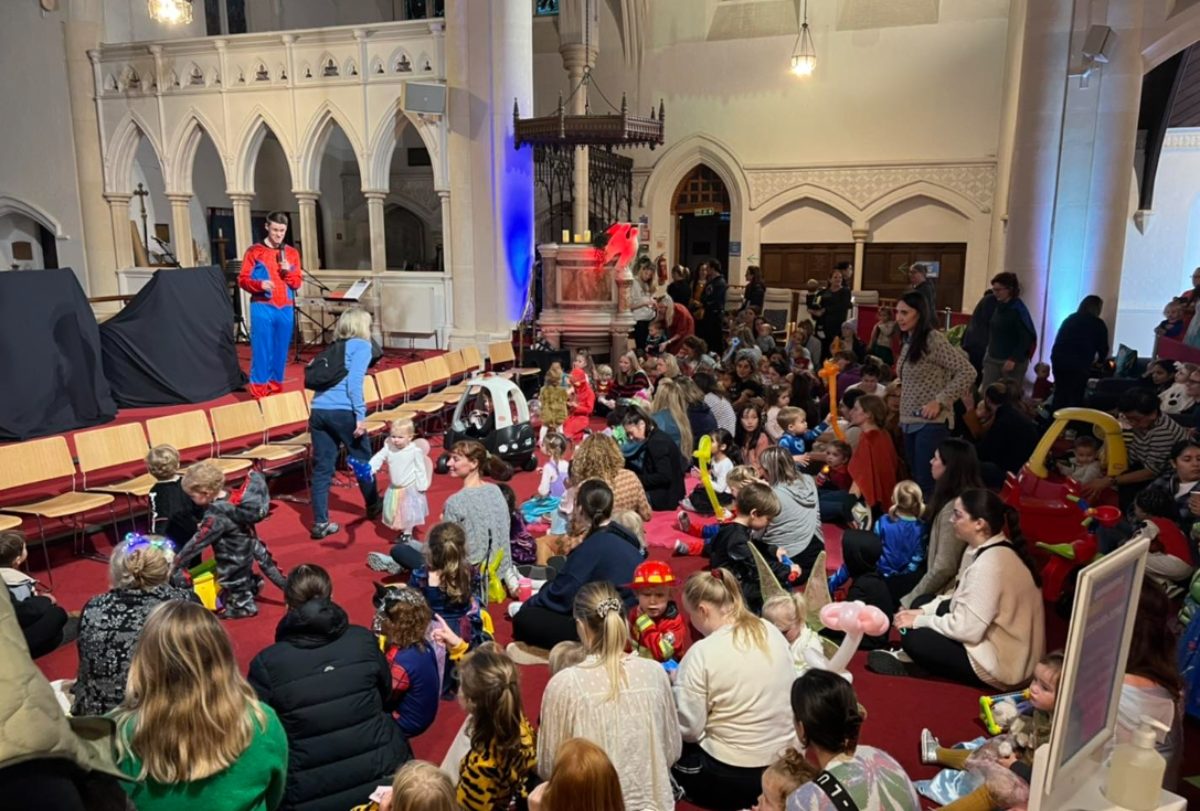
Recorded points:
(1098,43)
(427,98)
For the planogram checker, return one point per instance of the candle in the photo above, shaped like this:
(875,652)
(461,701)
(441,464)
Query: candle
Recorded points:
(587,236)
(566,236)
(220,233)
(578,238)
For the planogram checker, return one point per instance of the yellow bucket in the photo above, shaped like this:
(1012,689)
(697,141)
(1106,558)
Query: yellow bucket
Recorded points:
(204,583)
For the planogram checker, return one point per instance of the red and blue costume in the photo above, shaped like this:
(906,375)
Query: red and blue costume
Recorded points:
(272,317)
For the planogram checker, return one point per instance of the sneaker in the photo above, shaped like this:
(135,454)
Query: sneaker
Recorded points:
(683,520)
(929,747)
(861,517)
(533,572)
(320,531)
(380,562)
(680,549)
(686,504)
(887,663)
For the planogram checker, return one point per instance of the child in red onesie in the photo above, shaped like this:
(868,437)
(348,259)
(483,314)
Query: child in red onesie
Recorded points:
(659,630)
(583,402)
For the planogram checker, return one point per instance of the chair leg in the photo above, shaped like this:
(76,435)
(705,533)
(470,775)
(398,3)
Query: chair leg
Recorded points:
(46,553)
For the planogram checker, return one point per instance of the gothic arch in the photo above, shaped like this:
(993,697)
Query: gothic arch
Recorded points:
(183,154)
(922,188)
(11,205)
(1182,31)
(682,157)
(807,191)
(260,123)
(121,149)
(315,139)
(386,136)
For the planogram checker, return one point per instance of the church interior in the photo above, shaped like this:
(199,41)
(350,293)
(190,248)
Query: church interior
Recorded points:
(506,188)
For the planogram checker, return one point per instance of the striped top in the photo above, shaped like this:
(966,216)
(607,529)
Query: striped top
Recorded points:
(722,410)
(483,785)
(1152,449)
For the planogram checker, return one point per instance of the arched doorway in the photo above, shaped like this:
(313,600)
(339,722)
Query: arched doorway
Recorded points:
(701,209)
(405,235)
(25,244)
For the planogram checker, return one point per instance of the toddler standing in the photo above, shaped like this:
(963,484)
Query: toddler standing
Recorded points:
(404,504)
(553,398)
(1042,387)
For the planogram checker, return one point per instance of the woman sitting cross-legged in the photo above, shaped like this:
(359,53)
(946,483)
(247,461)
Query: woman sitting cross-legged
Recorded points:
(991,631)
(191,733)
(659,462)
(828,721)
(609,552)
(730,689)
(618,700)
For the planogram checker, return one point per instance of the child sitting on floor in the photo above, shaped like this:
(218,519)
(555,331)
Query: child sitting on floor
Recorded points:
(1006,761)
(796,435)
(779,780)
(524,545)
(900,565)
(730,549)
(658,629)
(702,534)
(403,618)
(43,621)
(789,613)
(553,483)
(566,654)
(724,456)
(228,527)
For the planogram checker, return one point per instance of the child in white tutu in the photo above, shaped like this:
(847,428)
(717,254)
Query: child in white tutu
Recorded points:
(409,473)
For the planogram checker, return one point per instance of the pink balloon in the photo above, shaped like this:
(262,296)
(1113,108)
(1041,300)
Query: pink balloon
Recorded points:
(831,616)
(873,621)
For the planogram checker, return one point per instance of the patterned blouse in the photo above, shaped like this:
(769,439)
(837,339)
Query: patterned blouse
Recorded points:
(872,778)
(109,628)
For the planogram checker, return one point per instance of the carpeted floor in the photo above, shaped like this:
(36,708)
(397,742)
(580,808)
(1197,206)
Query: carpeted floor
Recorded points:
(897,708)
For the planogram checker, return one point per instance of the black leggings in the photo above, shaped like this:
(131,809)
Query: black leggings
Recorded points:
(939,654)
(543,628)
(709,783)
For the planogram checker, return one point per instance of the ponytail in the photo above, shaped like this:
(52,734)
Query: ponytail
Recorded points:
(1001,519)
(490,465)
(1012,531)
(492,694)
(825,704)
(595,500)
(720,589)
(599,608)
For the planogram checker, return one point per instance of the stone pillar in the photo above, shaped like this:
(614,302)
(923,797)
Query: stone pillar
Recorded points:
(118,217)
(243,229)
(1033,186)
(579,43)
(860,232)
(83,29)
(489,231)
(310,258)
(1004,152)
(378,236)
(181,229)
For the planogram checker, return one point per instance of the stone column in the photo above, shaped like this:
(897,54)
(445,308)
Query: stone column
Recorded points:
(243,229)
(859,231)
(310,258)
(181,229)
(83,29)
(1004,152)
(579,43)
(118,217)
(378,237)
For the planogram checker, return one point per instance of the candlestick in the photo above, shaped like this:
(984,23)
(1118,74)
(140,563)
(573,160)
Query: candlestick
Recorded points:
(566,236)
(587,236)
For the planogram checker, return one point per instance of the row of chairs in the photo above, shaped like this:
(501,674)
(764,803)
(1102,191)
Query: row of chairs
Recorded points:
(269,434)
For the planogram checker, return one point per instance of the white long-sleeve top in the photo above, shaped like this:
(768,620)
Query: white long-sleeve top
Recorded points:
(734,700)
(996,612)
(721,468)
(406,466)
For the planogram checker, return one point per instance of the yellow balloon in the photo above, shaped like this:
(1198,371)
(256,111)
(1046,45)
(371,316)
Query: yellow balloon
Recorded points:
(703,455)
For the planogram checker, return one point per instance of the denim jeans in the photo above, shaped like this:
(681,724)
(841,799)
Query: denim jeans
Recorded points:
(331,430)
(919,446)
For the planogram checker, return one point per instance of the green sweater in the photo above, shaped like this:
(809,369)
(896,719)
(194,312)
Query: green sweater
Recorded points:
(1008,336)
(254,782)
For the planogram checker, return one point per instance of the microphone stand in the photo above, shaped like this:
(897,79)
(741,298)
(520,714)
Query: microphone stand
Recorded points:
(325,290)
(172,262)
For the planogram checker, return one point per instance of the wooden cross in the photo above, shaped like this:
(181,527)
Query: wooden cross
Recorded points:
(141,193)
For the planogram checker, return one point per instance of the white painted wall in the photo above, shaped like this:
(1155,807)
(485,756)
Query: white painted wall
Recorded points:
(920,219)
(805,221)
(208,182)
(1159,263)
(38,166)
(19,228)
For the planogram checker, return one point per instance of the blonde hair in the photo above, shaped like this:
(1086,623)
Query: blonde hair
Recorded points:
(566,654)
(907,500)
(353,323)
(789,609)
(632,522)
(788,415)
(203,477)
(146,567)
(740,476)
(791,770)
(555,445)
(554,374)
(720,589)
(163,462)
(421,786)
(671,368)
(188,713)
(604,371)
(598,608)
(635,366)
(492,695)
(403,427)
(669,397)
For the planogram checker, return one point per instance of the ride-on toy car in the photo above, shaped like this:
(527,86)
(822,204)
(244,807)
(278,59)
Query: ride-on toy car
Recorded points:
(492,410)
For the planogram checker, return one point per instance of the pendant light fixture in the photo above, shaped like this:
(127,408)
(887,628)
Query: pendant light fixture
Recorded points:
(171,12)
(804,53)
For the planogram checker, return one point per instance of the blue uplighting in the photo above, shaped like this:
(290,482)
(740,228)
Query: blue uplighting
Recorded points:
(516,221)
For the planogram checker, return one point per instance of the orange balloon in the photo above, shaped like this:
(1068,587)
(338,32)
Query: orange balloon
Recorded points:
(829,371)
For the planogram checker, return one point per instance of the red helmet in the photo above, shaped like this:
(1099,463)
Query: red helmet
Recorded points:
(652,573)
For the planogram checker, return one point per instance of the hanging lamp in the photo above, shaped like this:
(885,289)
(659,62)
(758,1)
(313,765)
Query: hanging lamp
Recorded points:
(171,12)
(804,53)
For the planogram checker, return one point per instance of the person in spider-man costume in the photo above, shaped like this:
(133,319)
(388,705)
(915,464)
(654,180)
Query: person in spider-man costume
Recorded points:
(271,275)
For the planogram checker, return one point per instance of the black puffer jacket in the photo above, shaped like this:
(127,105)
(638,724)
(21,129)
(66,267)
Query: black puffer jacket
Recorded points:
(328,682)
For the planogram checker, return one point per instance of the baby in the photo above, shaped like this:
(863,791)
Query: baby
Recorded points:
(1172,325)
(779,780)
(1084,464)
(657,338)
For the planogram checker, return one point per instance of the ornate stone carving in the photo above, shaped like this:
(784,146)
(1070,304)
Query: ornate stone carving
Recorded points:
(864,185)
(1182,139)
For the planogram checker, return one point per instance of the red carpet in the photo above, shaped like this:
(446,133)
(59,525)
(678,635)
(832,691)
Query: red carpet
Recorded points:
(897,708)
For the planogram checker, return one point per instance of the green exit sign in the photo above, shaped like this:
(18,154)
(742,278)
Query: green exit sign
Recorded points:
(704,212)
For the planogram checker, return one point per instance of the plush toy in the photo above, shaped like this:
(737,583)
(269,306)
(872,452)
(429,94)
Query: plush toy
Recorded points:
(855,619)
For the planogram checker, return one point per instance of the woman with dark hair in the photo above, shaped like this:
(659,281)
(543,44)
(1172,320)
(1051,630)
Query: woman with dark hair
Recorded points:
(1009,438)
(992,630)
(1011,334)
(1081,341)
(933,375)
(322,668)
(680,288)
(609,552)
(709,325)
(717,400)
(755,292)
(828,722)
(955,468)
(873,465)
(833,308)
(658,463)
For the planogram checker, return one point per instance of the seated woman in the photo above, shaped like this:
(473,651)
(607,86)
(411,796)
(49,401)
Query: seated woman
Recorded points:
(659,462)
(992,630)
(729,689)
(191,732)
(111,622)
(873,465)
(1009,438)
(609,552)
(828,721)
(619,701)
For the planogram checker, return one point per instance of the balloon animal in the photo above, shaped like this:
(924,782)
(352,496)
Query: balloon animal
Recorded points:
(703,456)
(854,619)
(830,372)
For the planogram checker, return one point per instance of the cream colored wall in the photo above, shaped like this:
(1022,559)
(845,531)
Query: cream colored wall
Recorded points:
(19,228)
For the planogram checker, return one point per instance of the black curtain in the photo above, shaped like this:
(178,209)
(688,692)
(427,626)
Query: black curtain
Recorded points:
(173,343)
(50,366)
